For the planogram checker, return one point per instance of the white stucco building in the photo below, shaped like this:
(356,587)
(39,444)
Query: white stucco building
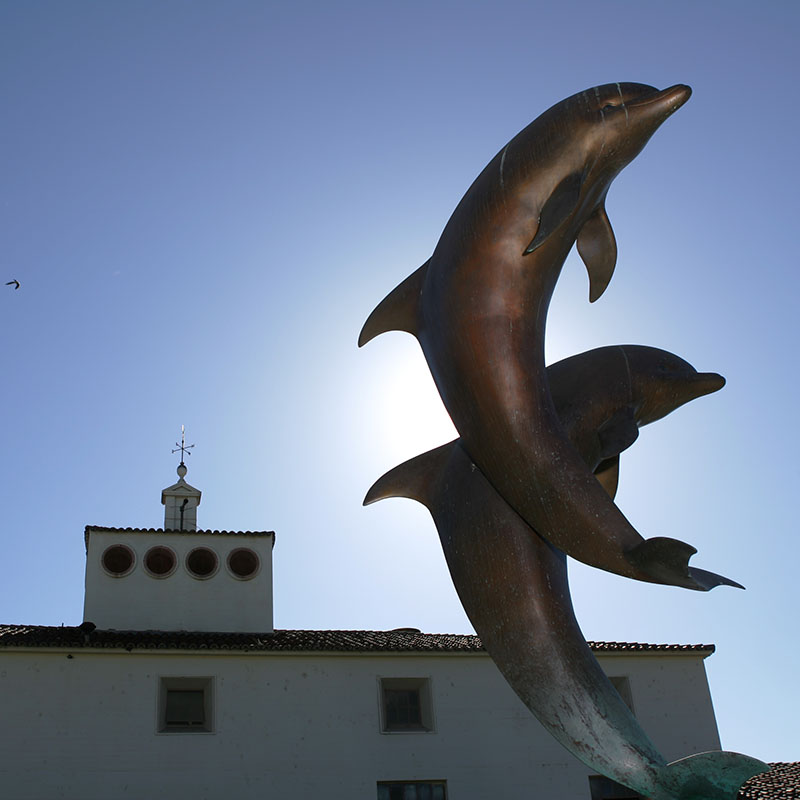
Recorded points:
(177,685)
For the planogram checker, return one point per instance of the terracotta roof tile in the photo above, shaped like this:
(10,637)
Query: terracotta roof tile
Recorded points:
(399,640)
(782,782)
(101,529)
(640,646)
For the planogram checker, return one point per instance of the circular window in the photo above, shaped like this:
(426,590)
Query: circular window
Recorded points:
(160,561)
(118,560)
(202,562)
(243,563)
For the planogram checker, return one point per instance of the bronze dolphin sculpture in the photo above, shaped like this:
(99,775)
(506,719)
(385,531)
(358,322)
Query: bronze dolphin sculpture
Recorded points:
(479,305)
(513,584)
(602,398)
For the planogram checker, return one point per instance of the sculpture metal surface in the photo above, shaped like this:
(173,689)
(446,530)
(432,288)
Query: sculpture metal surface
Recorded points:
(513,584)
(534,472)
(479,306)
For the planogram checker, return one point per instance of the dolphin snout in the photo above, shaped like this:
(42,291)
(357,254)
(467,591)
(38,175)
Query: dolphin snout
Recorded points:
(676,96)
(707,382)
(664,103)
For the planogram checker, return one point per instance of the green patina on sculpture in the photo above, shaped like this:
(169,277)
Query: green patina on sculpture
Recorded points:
(534,472)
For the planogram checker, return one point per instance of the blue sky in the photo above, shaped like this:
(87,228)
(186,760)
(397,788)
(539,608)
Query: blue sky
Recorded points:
(204,201)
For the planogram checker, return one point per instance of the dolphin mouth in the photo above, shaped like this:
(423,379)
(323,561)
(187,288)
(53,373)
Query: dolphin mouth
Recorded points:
(663,103)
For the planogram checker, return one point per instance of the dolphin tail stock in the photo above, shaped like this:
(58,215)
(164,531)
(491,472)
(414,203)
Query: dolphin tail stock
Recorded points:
(667,561)
(414,478)
(398,310)
(716,775)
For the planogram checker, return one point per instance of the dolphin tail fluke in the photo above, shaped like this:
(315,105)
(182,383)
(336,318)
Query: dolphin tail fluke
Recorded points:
(717,775)
(398,310)
(414,478)
(667,561)
(708,580)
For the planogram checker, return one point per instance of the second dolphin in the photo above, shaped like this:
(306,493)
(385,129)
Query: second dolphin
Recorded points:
(513,584)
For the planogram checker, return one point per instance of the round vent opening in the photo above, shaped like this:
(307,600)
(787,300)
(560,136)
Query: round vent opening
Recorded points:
(160,561)
(118,560)
(202,562)
(243,563)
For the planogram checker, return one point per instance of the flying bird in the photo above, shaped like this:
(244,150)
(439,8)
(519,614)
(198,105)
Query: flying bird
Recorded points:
(14,283)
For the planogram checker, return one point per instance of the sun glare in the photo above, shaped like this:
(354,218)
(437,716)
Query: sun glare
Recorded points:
(409,416)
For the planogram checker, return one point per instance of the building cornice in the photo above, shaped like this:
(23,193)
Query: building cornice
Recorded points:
(288,641)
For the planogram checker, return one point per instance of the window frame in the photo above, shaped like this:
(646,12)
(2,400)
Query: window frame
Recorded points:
(422,685)
(437,782)
(249,551)
(622,683)
(200,576)
(125,572)
(168,683)
(603,788)
(169,552)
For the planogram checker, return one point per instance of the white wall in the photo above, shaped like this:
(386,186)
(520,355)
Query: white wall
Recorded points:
(139,601)
(671,700)
(305,726)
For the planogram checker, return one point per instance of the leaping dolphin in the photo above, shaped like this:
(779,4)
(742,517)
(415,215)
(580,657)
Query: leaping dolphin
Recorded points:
(513,584)
(479,305)
(602,398)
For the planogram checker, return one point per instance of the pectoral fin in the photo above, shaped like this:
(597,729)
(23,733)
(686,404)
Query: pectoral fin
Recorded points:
(557,208)
(617,434)
(598,249)
(398,311)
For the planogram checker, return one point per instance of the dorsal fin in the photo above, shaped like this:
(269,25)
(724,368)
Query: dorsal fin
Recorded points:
(398,310)
(598,249)
(415,478)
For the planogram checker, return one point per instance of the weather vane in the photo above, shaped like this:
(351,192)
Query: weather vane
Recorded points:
(183,447)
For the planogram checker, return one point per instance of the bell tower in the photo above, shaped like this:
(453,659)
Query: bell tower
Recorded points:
(179,578)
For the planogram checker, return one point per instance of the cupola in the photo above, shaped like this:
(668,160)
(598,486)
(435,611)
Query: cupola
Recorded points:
(180,503)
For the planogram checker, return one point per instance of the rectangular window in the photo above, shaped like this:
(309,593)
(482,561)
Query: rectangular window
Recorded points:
(412,790)
(185,705)
(603,788)
(405,705)
(623,686)
(185,708)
